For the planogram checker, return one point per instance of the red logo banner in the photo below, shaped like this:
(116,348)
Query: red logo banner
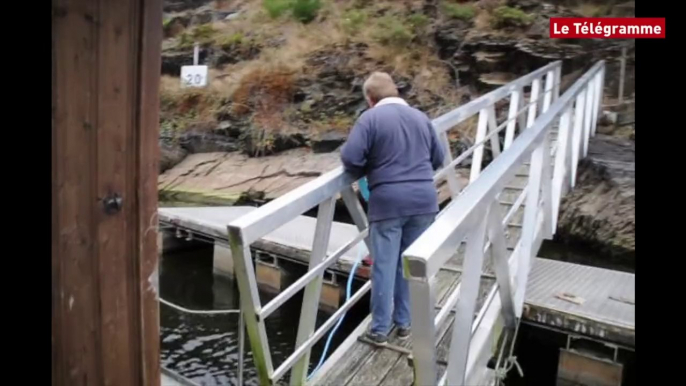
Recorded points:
(607,28)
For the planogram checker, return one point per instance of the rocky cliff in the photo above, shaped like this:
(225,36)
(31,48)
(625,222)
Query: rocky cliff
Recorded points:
(286,87)
(600,211)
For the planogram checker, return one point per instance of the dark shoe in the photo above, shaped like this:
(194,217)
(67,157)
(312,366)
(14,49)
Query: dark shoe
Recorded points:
(377,338)
(403,332)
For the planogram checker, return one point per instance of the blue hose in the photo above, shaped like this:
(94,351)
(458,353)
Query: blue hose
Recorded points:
(365,193)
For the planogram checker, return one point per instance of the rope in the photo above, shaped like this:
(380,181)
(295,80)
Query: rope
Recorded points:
(201,312)
(509,363)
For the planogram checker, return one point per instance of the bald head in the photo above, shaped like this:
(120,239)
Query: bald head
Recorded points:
(378,86)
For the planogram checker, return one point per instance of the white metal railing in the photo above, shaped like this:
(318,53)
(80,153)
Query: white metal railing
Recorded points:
(323,192)
(475,218)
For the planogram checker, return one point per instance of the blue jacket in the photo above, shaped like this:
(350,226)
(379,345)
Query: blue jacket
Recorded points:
(396,148)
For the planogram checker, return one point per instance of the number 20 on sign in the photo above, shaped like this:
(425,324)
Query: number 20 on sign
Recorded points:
(193,76)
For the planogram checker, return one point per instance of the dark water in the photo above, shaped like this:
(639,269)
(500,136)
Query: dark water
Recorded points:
(204,348)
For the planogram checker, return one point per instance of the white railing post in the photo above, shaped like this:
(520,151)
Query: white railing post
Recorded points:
(578,133)
(558,79)
(492,128)
(478,155)
(422,299)
(559,180)
(588,114)
(496,236)
(531,213)
(352,203)
(546,191)
(453,183)
(516,99)
(597,87)
(549,84)
(310,305)
(250,303)
(533,102)
(466,304)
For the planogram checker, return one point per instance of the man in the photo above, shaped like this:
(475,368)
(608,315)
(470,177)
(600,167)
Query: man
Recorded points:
(396,148)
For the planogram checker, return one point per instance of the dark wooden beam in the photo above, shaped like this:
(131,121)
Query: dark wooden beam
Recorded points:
(105,66)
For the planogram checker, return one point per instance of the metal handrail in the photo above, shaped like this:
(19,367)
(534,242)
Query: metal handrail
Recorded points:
(323,191)
(474,218)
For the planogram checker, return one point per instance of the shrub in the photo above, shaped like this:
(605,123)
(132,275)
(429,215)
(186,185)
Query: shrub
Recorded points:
(264,91)
(490,5)
(276,8)
(204,32)
(181,109)
(510,17)
(418,22)
(353,20)
(393,32)
(460,11)
(235,39)
(306,10)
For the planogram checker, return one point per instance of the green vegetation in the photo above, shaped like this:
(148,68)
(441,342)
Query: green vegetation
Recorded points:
(460,11)
(393,32)
(276,8)
(510,17)
(203,34)
(232,40)
(353,21)
(304,11)
(418,22)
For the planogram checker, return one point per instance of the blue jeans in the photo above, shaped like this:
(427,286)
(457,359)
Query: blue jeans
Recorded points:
(390,292)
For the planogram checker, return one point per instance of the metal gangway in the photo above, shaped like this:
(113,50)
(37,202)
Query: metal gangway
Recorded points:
(545,135)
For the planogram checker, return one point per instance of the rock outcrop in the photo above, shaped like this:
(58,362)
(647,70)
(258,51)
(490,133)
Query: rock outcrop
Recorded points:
(486,60)
(600,211)
(225,178)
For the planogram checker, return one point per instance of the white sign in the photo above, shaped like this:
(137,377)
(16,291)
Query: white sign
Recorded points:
(193,76)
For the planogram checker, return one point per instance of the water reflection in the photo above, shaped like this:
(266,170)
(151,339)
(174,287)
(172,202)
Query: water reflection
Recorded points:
(204,348)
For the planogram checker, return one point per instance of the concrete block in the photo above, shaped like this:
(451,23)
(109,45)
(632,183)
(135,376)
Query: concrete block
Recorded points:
(223,261)
(268,276)
(331,296)
(580,369)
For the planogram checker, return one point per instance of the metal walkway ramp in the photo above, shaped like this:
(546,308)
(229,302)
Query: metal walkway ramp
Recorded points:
(468,273)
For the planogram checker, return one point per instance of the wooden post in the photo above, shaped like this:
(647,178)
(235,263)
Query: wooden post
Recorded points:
(105,71)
